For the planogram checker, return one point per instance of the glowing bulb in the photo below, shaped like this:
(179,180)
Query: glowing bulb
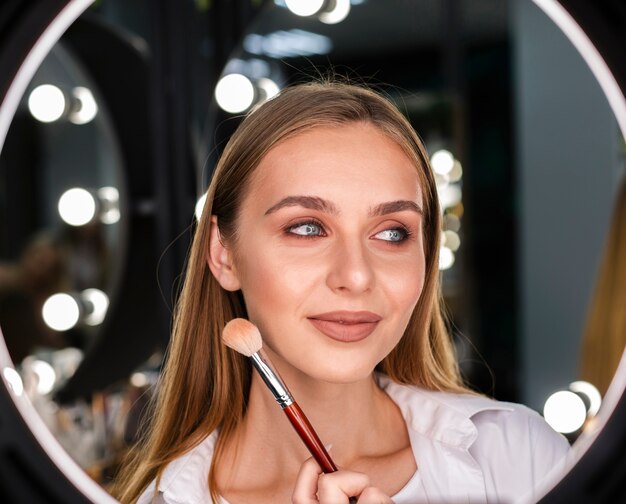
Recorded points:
(234,93)
(77,206)
(200,206)
(138,380)
(591,392)
(46,103)
(449,196)
(446,258)
(338,13)
(45,376)
(110,199)
(61,312)
(98,301)
(86,109)
(304,7)
(13,380)
(452,240)
(456,173)
(442,162)
(451,222)
(565,411)
(269,87)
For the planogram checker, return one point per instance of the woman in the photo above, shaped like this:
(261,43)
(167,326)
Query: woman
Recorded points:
(322,227)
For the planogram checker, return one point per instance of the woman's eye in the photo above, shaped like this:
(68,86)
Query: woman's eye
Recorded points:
(307,229)
(392,235)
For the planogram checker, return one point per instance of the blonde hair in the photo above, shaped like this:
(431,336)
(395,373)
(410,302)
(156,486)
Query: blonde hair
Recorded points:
(605,331)
(204,386)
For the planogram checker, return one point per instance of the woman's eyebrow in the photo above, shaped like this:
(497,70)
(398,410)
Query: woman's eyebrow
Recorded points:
(395,206)
(310,202)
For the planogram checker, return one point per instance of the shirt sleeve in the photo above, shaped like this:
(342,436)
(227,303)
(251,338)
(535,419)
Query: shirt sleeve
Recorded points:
(516,450)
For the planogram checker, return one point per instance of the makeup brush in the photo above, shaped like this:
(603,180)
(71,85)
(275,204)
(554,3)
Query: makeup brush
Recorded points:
(244,337)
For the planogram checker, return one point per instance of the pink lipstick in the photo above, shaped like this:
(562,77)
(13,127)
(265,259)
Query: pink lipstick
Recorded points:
(346,326)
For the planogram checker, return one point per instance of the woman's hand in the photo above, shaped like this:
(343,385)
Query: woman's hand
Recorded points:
(313,487)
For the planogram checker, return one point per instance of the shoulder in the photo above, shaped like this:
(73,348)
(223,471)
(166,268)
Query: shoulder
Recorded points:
(185,479)
(509,421)
(511,447)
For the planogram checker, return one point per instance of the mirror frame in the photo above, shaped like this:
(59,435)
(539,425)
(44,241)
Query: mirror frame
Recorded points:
(38,26)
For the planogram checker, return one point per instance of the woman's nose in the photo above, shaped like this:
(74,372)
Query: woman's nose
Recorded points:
(350,268)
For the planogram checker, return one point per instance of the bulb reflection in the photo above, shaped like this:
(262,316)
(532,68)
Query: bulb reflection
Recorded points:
(46,377)
(591,392)
(268,87)
(46,103)
(305,7)
(61,312)
(446,258)
(109,198)
(565,412)
(234,93)
(77,206)
(451,240)
(336,14)
(442,162)
(13,380)
(97,303)
(84,108)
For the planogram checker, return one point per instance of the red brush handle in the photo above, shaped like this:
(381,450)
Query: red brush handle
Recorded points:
(308,435)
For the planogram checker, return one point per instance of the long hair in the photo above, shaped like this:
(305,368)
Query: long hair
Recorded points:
(605,331)
(205,386)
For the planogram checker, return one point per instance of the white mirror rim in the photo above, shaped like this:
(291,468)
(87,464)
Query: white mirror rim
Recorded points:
(54,31)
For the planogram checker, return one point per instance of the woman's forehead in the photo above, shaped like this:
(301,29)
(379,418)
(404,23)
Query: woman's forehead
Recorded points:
(336,161)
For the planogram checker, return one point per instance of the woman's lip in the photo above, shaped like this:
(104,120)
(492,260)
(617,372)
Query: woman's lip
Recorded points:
(348,317)
(346,326)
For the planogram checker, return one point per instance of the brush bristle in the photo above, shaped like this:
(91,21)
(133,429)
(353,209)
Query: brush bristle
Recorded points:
(242,336)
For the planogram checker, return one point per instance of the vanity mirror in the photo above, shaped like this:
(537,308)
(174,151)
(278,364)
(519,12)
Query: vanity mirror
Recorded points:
(530,159)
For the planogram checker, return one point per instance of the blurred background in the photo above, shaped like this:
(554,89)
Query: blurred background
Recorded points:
(113,144)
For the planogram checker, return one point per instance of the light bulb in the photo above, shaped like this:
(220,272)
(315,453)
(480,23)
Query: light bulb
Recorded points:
(269,87)
(452,240)
(234,93)
(77,206)
(442,162)
(45,376)
(86,108)
(14,380)
(304,7)
(565,411)
(446,258)
(110,200)
(591,392)
(337,14)
(139,380)
(46,103)
(61,312)
(98,303)
(449,196)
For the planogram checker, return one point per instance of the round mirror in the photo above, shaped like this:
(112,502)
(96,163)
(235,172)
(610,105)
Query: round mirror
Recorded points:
(526,146)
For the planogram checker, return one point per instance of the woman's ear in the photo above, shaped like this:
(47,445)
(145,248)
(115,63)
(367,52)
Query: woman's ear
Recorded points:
(220,260)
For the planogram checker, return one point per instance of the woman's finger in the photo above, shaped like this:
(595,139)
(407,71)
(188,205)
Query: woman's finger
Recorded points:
(373,495)
(305,490)
(338,487)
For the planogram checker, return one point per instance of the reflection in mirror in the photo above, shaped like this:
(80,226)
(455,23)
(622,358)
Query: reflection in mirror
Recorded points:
(62,230)
(497,92)
(500,118)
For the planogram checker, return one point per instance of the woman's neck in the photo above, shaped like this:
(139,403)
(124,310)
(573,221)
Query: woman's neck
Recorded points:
(358,420)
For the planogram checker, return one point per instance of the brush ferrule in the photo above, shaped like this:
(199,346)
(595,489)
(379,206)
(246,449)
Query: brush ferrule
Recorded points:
(272,379)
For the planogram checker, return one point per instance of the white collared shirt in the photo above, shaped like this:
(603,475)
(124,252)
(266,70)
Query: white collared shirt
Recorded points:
(468,449)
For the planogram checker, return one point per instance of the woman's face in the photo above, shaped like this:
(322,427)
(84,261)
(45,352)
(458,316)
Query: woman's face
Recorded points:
(329,252)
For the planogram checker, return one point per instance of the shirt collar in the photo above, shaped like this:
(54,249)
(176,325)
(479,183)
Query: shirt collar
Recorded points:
(442,416)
